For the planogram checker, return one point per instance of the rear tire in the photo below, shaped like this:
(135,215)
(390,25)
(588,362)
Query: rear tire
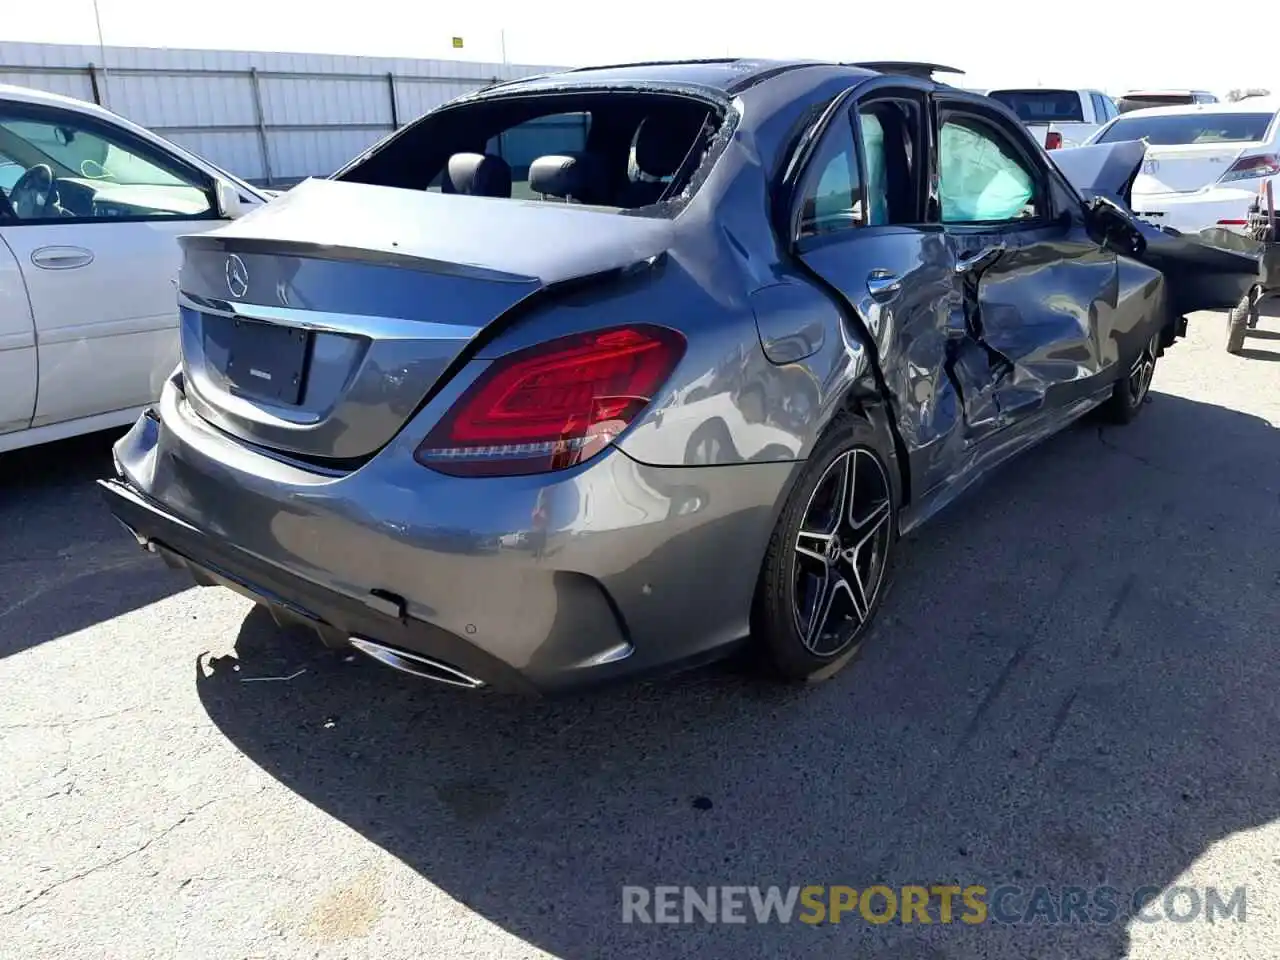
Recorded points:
(830,557)
(1131,390)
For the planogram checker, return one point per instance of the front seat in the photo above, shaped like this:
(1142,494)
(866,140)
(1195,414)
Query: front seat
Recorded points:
(662,143)
(478,175)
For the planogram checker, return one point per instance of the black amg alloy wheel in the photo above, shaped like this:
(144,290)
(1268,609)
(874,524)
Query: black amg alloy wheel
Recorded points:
(829,559)
(1131,390)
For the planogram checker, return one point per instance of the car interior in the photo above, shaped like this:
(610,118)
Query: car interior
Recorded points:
(625,151)
(889,130)
(58,171)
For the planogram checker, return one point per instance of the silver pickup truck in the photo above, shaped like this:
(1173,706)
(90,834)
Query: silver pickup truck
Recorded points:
(1058,118)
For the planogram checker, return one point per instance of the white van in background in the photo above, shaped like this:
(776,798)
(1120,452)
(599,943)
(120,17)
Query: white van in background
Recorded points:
(1058,118)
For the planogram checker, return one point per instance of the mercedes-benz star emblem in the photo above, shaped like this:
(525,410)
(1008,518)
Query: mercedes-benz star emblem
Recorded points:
(237,276)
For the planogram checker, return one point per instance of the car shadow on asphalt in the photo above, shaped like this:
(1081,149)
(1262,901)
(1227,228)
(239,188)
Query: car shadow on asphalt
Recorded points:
(1071,684)
(65,564)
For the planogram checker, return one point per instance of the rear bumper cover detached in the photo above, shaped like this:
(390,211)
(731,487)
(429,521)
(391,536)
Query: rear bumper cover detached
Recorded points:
(632,570)
(1200,210)
(337,619)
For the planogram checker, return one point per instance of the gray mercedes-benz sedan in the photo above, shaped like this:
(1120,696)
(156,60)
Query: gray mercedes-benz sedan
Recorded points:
(594,374)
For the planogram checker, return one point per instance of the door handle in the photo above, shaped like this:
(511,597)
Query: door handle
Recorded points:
(982,258)
(883,284)
(61,258)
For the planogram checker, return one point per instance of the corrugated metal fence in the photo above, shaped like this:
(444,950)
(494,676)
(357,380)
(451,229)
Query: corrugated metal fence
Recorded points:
(272,118)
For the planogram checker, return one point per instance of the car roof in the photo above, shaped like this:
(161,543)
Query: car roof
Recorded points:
(1249,105)
(45,99)
(727,75)
(1163,92)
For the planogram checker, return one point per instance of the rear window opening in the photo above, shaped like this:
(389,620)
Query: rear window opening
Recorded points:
(1042,106)
(1186,129)
(612,149)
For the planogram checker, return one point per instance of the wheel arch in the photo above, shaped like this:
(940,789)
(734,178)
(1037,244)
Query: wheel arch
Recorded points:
(867,400)
(864,400)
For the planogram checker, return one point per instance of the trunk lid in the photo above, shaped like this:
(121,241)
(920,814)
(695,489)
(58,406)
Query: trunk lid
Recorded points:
(317,324)
(1185,169)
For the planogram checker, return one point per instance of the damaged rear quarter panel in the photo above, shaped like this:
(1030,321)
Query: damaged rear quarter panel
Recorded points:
(776,357)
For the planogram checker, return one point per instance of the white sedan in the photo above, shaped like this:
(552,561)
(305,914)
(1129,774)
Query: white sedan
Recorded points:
(90,209)
(1205,162)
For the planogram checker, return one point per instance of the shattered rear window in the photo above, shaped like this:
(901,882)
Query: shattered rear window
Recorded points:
(627,150)
(1189,128)
(1042,106)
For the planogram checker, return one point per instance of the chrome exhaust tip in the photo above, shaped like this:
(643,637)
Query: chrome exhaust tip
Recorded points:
(416,664)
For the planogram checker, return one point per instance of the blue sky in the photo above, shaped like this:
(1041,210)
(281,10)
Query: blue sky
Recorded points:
(1016,45)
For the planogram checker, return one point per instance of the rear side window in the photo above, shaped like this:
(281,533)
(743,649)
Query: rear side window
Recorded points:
(1042,106)
(981,179)
(831,195)
(1189,128)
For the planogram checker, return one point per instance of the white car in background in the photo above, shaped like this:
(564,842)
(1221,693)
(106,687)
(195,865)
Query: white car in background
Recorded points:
(1205,162)
(1058,118)
(90,209)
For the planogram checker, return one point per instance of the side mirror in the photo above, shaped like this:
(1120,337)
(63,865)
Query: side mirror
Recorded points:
(228,200)
(1117,229)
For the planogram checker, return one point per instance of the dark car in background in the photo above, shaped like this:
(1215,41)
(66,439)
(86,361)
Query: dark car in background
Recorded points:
(676,386)
(1145,99)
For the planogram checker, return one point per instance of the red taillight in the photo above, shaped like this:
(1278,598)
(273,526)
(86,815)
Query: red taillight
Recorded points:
(1052,140)
(554,405)
(1233,223)
(1246,168)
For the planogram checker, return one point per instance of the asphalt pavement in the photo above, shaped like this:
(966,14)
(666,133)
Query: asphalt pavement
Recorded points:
(1072,684)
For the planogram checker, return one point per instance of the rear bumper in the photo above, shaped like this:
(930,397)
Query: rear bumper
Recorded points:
(636,569)
(337,619)
(1193,212)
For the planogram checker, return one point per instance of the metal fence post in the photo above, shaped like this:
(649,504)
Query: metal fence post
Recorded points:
(93,83)
(395,109)
(262,124)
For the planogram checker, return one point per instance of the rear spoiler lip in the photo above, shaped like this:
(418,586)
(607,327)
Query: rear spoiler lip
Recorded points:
(329,251)
(910,68)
